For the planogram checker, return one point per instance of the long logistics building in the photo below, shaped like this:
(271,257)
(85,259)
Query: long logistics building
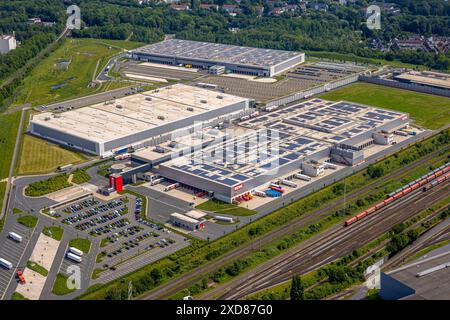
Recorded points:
(138,120)
(301,136)
(206,55)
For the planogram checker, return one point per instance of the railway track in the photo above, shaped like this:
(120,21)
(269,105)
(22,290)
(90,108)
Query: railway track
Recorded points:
(409,251)
(328,246)
(187,279)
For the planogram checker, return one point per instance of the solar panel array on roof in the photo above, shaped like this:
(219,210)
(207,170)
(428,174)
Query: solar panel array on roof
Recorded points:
(241,158)
(218,52)
(324,120)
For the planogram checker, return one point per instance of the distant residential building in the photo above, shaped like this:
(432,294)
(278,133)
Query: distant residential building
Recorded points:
(7,43)
(420,43)
(259,10)
(232,9)
(180,7)
(40,22)
(277,11)
(291,7)
(389,8)
(319,6)
(208,6)
(34,20)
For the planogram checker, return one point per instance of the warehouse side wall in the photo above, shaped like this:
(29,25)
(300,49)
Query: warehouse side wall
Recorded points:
(65,138)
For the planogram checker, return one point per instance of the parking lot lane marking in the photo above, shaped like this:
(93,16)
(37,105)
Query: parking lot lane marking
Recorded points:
(21,256)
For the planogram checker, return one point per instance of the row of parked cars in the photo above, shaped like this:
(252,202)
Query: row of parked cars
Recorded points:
(100,220)
(92,212)
(82,205)
(138,209)
(132,243)
(112,226)
(130,231)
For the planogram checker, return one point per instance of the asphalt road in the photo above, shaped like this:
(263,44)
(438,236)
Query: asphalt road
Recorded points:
(88,100)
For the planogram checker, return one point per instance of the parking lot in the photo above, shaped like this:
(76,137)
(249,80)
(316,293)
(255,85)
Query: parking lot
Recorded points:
(120,232)
(12,251)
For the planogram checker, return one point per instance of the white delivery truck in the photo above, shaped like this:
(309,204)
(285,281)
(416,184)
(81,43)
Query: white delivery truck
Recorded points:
(74,257)
(6,264)
(76,251)
(15,236)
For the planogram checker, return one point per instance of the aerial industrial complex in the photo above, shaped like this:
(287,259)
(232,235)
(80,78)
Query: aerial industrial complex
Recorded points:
(217,143)
(204,141)
(205,55)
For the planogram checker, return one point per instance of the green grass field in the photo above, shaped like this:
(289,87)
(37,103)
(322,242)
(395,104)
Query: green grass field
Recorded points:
(54,232)
(39,156)
(37,268)
(57,82)
(60,285)
(81,244)
(9,125)
(18,296)
(28,221)
(427,110)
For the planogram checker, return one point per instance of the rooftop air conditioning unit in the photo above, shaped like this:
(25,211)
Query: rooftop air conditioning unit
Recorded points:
(148,99)
(190,109)
(161,118)
(47,118)
(203,101)
(119,106)
(159,149)
(219,97)
(173,144)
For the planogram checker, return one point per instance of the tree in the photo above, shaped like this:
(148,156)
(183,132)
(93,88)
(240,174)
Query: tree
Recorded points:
(156,275)
(297,288)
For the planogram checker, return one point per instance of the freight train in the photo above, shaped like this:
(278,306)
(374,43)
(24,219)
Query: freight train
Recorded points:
(441,174)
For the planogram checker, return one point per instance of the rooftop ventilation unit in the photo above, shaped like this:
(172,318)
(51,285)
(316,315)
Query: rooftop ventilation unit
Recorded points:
(203,101)
(119,106)
(173,144)
(159,149)
(161,118)
(190,109)
(148,99)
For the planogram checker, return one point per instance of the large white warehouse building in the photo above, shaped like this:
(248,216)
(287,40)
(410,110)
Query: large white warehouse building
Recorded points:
(205,55)
(140,118)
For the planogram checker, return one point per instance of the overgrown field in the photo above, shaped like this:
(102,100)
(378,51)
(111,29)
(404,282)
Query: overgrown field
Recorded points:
(9,124)
(67,72)
(40,156)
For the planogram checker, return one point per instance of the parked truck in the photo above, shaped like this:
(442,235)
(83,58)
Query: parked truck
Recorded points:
(6,264)
(76,251)
(15,236)
(74,257)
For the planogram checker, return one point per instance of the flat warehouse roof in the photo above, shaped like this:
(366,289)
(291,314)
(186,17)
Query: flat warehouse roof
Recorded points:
(325,120)
(125,116)
(245,157)
(427,78)
(218,52)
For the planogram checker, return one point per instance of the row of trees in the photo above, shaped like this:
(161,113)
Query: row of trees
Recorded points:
(341,29)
